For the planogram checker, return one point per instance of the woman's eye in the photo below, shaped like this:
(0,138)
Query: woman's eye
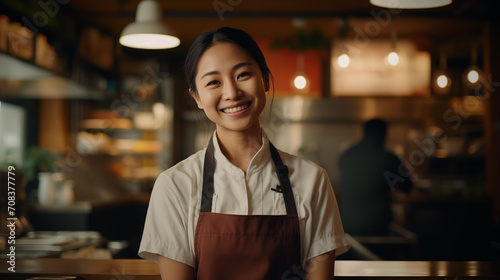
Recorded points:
(244,74)
(211,83)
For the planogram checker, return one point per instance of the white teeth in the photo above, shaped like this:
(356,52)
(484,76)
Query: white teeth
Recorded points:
(235,109)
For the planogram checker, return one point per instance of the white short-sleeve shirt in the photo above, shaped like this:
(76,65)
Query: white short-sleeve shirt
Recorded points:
(176,197)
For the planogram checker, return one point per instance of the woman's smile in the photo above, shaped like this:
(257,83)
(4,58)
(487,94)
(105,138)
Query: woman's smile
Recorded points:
(236,109)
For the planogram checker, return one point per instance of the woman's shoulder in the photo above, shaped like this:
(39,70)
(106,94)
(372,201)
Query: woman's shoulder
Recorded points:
(307,178)
(194,160)
(300,164)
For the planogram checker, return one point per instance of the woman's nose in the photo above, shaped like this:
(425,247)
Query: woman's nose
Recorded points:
(231,91)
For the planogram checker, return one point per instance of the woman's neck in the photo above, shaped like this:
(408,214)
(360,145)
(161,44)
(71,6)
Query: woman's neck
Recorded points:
(240,147)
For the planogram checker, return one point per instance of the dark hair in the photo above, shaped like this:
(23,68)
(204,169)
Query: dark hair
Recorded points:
(223,34)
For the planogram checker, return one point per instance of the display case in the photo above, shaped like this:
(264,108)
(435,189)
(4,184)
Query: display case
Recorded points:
(130,136)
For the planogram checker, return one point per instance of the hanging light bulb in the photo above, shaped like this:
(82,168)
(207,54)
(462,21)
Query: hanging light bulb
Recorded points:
(300,81)
(148,31)
(393,56)
(343,60)
(473,75)
(442,81)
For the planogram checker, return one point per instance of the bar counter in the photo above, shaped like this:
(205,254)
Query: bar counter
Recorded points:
(137,269)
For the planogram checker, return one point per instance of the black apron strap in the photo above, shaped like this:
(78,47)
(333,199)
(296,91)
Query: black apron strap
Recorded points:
(282,172)
(208,180)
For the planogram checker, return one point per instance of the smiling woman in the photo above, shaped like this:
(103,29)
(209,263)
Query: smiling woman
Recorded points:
(240,209)
(233,95)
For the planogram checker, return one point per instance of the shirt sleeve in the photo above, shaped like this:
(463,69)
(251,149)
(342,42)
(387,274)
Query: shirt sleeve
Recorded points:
(327,233)
(166,230)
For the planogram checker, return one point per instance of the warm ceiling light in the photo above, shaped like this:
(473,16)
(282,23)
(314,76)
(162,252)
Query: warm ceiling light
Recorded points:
(148,31)
(473,76)
(410,4)
(443,81)
(300,82)
(343,60)
(393,58)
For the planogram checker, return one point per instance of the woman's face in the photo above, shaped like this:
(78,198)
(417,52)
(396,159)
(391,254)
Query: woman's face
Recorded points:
(230,88)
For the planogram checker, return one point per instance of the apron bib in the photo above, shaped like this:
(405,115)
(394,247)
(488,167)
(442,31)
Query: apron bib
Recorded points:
(246,246)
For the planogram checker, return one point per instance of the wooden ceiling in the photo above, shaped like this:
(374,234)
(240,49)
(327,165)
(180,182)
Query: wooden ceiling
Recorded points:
(274,18)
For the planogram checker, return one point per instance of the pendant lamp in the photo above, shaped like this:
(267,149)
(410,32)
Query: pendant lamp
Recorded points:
(442,81)
(300,81)
(148,31)
(393,56)
(410,4)
(343,60)
(473,77)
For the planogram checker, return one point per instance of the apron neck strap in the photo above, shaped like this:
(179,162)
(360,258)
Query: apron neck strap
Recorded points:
(208,180)
(282,172)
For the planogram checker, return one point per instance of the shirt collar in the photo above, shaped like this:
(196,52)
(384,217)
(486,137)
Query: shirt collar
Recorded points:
(259,160)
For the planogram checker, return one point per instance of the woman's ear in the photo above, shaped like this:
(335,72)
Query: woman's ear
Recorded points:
(196,98)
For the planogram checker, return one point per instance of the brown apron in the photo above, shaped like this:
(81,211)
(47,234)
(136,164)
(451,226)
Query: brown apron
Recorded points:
(247,246)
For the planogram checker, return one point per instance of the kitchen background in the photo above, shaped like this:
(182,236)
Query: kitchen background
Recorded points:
(107,119)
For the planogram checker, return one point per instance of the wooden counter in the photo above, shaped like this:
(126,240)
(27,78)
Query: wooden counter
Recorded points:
(121,269)
(119,219)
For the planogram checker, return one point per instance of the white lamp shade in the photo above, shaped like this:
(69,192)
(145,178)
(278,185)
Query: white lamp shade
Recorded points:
(148,32)
(148,10)
(410,4)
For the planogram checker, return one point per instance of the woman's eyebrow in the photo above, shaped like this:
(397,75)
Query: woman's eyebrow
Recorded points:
(209,73)
(239,65)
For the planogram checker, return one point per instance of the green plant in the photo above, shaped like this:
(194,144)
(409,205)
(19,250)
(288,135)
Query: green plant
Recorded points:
(38,160)
(301,40)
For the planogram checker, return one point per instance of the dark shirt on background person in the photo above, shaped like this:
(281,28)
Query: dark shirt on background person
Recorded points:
(365,187)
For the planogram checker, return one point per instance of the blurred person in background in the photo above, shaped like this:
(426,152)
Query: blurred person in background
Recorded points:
(369,173)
